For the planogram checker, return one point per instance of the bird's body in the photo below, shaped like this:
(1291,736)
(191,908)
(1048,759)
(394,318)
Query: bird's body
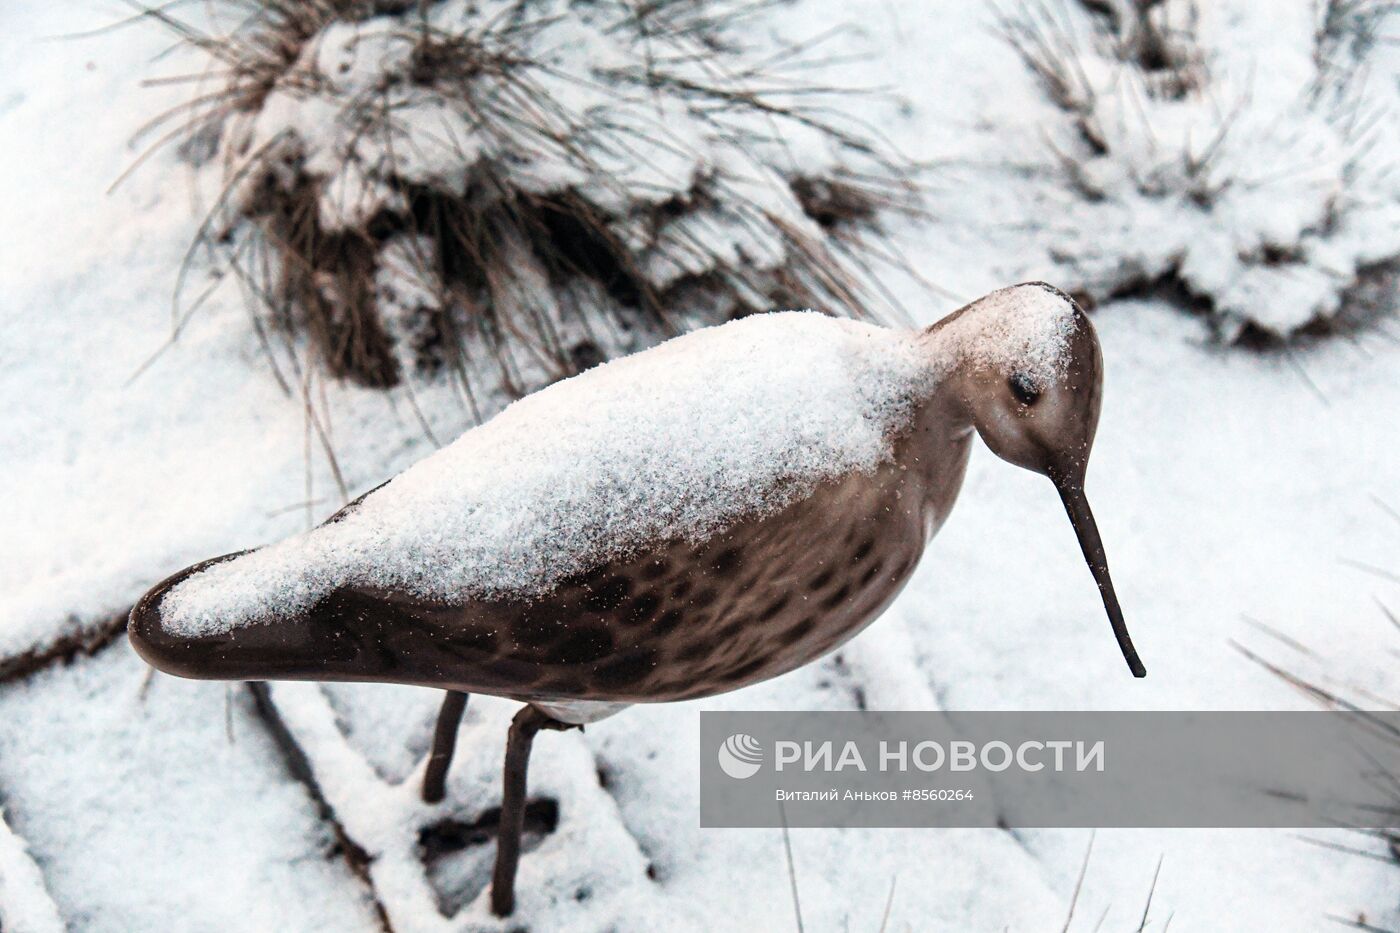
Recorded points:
(695,518)
(682,620)
(717,599)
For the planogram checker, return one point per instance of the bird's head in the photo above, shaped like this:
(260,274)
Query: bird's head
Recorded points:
(1029,374)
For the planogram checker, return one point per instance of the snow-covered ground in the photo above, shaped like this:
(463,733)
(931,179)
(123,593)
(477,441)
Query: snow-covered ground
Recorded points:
(1229,486)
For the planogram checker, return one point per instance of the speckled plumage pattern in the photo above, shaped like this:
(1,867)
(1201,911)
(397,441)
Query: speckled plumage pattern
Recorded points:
(690,620)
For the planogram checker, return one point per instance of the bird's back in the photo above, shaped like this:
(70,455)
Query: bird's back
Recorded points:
(680,620)
(670,445)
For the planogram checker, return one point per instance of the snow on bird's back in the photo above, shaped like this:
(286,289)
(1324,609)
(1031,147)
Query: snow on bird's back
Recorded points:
(675,442)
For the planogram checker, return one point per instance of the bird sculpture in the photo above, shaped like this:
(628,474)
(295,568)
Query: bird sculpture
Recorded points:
(688,520)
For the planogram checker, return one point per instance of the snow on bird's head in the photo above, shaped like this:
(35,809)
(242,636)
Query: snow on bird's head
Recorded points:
(1026,329)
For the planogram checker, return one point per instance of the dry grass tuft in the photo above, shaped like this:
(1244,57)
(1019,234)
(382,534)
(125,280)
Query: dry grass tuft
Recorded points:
(516,189)
(1149,46)
(1346,32)
(1345,691)
(1237,194)
(1151,40)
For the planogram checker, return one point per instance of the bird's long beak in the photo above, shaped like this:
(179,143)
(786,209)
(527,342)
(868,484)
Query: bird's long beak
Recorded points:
(1077,505)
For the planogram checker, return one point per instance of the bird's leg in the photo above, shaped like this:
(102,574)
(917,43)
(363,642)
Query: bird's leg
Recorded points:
(444,744)
(527,722)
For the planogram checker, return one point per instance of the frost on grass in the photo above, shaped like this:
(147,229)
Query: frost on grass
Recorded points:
(1242,153)
(673,442)
(522,187)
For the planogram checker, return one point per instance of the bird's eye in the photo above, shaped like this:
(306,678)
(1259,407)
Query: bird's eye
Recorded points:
(1025,391)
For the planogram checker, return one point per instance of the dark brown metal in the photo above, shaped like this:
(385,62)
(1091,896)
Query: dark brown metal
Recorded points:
(1087,530)
(523,728)
(444,744)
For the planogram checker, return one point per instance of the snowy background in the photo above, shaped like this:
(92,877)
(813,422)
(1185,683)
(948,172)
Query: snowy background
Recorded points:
(1234,186)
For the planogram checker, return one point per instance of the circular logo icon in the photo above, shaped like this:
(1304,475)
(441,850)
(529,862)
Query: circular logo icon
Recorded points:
(740,756)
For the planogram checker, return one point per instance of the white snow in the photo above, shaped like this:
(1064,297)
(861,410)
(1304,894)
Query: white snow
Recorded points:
(595,872)
(1226,484)
(25,904)
(674,442)
(165,808)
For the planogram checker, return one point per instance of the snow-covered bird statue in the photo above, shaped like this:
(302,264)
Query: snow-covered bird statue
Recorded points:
(701,516)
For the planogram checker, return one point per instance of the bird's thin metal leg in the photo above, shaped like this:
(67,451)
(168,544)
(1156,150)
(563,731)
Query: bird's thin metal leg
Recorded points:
(523,728)
(444,744)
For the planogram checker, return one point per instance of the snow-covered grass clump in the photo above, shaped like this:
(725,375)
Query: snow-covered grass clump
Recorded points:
(1243,154)
(526,186)
(675,442)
